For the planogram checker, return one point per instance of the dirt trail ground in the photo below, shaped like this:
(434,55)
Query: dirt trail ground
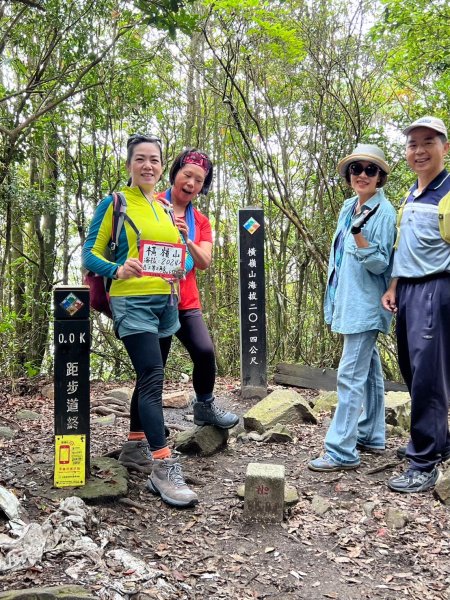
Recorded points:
(349,552)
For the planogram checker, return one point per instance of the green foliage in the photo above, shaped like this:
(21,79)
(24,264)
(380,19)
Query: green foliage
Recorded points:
(276,91)
(415,37)
(14,362)
(168,15)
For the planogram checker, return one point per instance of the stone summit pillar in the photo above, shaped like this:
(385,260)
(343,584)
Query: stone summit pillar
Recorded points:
(71,383)
(252,302)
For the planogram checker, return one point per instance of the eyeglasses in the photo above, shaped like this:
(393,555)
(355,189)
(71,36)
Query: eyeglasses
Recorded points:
(357,168)
(138,138)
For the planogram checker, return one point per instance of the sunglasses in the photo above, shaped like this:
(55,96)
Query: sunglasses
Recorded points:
(138,138)
(357,168)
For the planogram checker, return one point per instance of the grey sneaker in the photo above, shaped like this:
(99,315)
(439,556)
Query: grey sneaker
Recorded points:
(414,481)
(167,481)
(137,457)
(207,413)
(326,464)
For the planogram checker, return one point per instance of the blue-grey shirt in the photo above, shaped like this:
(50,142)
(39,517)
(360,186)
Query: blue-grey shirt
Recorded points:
(421,250)
(364,272)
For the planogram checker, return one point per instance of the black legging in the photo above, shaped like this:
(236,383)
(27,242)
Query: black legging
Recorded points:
(194,336)
(146,355)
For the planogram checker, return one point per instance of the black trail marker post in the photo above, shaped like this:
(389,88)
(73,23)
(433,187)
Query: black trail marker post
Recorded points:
(72,406)
(252,302)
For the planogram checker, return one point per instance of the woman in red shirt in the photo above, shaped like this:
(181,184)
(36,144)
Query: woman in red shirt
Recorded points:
(191,174)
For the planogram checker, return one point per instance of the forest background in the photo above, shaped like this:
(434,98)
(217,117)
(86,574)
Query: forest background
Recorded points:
(275,91)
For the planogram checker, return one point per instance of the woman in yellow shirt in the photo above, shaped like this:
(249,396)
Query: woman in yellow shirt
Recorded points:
(144,307)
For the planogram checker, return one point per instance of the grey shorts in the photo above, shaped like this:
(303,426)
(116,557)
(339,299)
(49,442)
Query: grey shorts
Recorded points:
(145,314)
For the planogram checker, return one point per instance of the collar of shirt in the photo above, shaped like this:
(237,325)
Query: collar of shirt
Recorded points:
(441,179)
(375,199)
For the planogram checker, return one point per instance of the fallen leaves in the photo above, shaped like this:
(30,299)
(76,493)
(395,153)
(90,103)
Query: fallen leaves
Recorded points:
(210,552)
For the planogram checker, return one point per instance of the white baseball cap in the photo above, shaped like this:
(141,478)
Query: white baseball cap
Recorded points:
(431,122)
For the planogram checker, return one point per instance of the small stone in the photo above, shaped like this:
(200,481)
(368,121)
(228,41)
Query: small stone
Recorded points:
(281,406)
(368,508)
(48,391)
(442,489)
(237,431)
(6,433)
(290,495)
(255,437)
(398,409)
(106,421)
(278,434)
(202,441)
(320,505)
(108,480)
(28,415)
(325,402)
(176,400)
(123,393)
(395,518)
(60,592)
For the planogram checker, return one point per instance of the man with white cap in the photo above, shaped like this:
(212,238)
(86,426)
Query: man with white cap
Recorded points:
(420,295)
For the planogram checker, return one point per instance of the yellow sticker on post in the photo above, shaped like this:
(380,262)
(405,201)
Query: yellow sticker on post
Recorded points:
(70,461)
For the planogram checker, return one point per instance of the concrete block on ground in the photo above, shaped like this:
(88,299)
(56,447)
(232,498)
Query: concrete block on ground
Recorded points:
(264,492)
(290,494)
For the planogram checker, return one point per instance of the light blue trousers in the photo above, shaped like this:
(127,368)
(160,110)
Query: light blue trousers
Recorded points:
(359,415)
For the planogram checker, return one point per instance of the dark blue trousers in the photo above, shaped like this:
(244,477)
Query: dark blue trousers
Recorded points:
(423,339)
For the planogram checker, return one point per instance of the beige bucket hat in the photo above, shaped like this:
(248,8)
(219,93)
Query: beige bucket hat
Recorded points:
(368,152)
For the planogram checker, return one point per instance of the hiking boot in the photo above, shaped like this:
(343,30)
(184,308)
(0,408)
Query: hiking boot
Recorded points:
(167,481)
(370,449)
(414,481)
(136,456)
(326,463)
(401,454)
(207,413)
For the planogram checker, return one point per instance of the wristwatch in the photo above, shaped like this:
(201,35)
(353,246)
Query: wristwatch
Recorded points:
(116,273)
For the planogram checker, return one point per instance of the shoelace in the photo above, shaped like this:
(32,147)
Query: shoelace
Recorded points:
(416,475)
(145,448)
(174,475)
(219,411)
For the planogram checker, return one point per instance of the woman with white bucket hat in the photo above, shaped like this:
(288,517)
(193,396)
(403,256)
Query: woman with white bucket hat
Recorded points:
(358,275)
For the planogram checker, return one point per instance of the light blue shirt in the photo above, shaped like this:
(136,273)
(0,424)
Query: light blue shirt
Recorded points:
(364,273)
(421,250)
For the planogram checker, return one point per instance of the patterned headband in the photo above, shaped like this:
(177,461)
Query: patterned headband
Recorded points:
(199,159)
